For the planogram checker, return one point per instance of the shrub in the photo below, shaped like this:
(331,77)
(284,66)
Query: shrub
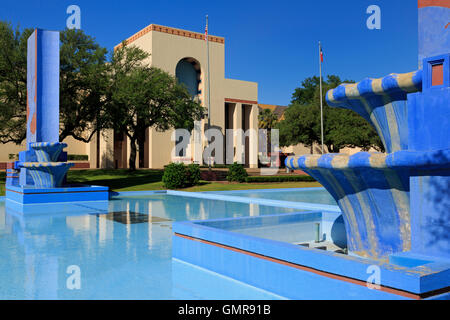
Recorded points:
(178,175)
(280,179)
(77,157)
(193,174)
(237,172)
(175,176)
(217,166)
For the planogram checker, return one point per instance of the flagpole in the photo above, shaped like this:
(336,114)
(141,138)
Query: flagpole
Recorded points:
(321,98)
(209,82)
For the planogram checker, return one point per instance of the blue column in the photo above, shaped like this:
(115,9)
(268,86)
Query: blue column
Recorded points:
(429,133)
(434,28)
(43,87)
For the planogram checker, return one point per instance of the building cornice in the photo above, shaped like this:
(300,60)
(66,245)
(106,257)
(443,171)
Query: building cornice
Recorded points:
(434,3)
(173,31)
(240,101)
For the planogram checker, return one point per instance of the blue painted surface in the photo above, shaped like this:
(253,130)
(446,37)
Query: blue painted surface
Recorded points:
(117,260)
(375,214)
(32,212)
(47,151)
(395,206)
(430,185)
(265,201)
(430,130)
(396,202)
(49,238)
(410,260)
(43,86)
(382,102)
(280,279)
(46,174)
(288,281)
(25,198)
(42,168)
(316,195)
(38,164)
(434,32)
(287,227)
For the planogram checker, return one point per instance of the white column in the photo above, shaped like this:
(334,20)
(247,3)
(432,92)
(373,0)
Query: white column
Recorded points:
(196,141)
(238,133)
(107,149)
(253,139)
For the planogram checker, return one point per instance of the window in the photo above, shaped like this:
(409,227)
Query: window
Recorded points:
(437,75)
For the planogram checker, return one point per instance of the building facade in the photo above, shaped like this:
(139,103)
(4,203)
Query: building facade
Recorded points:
(234,103)
(181,53)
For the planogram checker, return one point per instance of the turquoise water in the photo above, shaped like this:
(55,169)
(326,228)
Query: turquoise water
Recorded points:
(295,232)
(123,251)
(316,195)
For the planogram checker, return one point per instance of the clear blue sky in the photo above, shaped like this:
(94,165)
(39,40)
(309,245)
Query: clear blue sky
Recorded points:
(274,43)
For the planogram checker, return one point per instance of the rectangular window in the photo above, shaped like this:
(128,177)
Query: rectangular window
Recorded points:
(437,75)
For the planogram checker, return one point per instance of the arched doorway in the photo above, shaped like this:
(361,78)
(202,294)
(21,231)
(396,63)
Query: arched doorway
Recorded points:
(188,72)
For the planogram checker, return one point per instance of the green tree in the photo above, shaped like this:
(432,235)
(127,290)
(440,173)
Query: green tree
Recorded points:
(300,125)
(13,83)
(268,120)
(139,97)
(342,127)
(306,93)
(82,81)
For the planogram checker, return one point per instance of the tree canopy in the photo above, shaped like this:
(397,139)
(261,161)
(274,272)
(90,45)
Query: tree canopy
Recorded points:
(267,119)
(82,81)
(342,127)
(124,94)
(139,97)
(13,83)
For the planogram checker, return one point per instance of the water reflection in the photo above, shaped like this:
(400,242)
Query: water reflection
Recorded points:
(117,259)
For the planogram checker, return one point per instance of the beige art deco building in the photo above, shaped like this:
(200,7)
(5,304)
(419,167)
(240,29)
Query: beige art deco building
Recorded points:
(234,103)
(183,54)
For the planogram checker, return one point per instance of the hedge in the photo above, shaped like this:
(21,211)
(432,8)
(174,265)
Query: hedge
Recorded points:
(77,157)
(217,166)
(237,173)
(178,175)
(303,178)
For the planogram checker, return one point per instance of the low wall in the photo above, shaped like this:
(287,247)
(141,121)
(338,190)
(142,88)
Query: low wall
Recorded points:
(78,165)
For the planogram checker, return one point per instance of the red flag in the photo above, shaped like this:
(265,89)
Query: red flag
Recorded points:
(206,32)
(321,54)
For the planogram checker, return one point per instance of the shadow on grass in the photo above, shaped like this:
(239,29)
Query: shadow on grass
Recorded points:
(115,179)
(114,172)
(2,182)
(112,178)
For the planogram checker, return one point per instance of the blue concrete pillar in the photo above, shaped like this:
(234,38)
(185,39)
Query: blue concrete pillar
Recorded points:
(43,87)
(429,131)
(434,28)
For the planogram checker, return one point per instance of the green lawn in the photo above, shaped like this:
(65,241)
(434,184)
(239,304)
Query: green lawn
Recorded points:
(124,180)
(2,182)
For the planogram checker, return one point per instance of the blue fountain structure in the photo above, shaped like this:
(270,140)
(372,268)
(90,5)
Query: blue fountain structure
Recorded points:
(394,208)
(394,217)
(39,175)
(399,201)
